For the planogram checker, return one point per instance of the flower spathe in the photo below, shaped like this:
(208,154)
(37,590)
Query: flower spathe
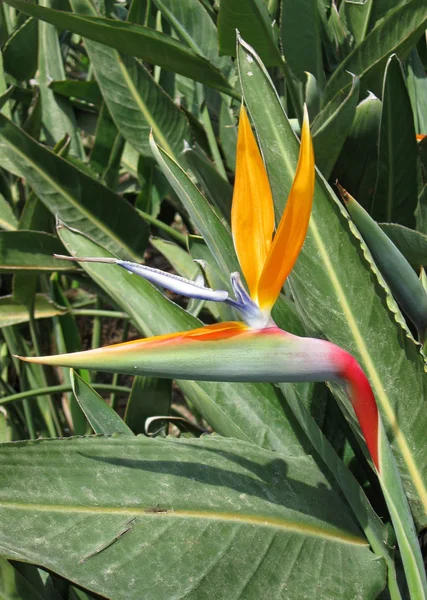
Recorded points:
(256,350)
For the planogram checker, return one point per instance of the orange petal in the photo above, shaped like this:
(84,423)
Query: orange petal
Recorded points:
(420,136)
(293,225)
(252,213)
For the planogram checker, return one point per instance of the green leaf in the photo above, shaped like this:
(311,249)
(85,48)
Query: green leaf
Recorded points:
(106,139)
(397,272)
(217,189)
(6,91)
(137,104)
(149,397)
(8,220)
(88,91)
(228,133)
(216,513)
(254,23)
(373,528)
(134,40)
(341,295)
(356,16)
(13,312)
(301,44)
(381,8)
(30,251)
(194,27)
(412,244)
(70,194)
(356,168)
(395,198)
(180,260)
(68,339)
(57,114)
(336,40)
(21,50)
(332,126)
(398,32)
(102,418)
(13,586)
(417,87)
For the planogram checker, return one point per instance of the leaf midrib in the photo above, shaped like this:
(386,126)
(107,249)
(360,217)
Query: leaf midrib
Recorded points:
(333,534)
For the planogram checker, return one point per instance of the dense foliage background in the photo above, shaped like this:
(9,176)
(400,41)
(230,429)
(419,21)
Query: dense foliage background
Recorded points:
(284,504)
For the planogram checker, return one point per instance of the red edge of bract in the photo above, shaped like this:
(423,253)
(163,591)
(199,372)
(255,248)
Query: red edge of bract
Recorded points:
(364,404)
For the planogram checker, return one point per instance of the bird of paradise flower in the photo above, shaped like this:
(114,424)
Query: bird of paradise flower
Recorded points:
(255,349)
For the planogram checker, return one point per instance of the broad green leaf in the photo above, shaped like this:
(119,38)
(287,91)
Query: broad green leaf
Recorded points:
(8,220)
(332,126)
(30,251)
(396,270)
(149,397)
(356,168)
(252,412)
(341,295)
(398,32)
(412,244)
(137,104)
(20,51)
(301,44)
(252,20)
(13,312)
(215,513)
(194,27)
(102,418)
(395,198)
(134,40)
(57,114)
(140,12)
(381,8)
(416,79)
(217,189)
(72,195)
(372,526)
